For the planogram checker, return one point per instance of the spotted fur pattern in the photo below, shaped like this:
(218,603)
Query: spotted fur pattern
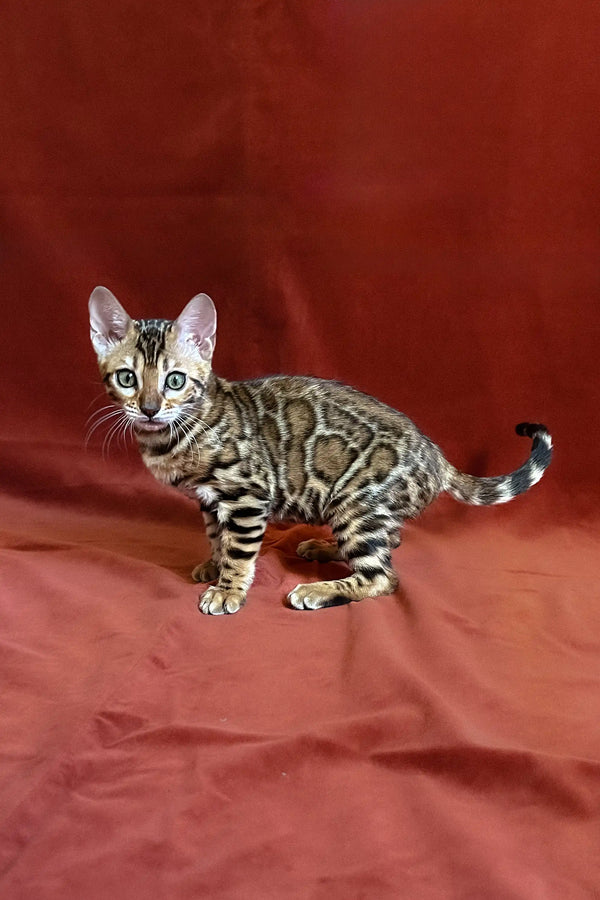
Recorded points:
(280,448)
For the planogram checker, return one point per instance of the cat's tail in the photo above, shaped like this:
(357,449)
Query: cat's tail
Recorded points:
(502,488)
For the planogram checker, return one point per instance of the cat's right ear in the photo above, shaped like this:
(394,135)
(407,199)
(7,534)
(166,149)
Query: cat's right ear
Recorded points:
(109,323)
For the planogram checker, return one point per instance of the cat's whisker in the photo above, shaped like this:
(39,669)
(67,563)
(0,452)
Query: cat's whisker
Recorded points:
(190,436)
(184,428)
(103,409)
(120,427)
(107,439)
(97,399)
(207,429)
(128,431)
(106,418)
(114,431)
(196,446)
(122,434)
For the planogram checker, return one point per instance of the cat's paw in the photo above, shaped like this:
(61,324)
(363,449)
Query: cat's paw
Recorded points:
(316,596)
(206,571)
(322,551)
(218,602)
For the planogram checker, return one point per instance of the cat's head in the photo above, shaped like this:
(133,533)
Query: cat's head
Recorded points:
(156,370)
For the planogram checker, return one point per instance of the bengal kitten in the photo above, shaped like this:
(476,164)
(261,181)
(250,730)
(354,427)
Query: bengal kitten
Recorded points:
(279,448)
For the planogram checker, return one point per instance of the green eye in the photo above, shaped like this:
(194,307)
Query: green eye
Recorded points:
(126,378)
(175,380)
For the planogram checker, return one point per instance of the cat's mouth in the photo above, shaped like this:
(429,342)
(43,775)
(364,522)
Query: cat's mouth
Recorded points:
(149,426)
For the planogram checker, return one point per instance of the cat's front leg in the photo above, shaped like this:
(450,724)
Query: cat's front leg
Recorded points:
(241,529)
(209,569)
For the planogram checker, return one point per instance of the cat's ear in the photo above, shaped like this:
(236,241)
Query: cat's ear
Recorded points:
(109,323)
(197,324)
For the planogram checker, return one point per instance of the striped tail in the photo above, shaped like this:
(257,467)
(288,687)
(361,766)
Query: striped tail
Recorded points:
(502,488)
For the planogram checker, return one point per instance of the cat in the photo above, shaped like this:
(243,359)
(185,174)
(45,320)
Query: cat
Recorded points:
(279,448)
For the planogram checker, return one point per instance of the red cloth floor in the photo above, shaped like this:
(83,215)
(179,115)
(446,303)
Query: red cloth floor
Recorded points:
(441,742)
(404,196)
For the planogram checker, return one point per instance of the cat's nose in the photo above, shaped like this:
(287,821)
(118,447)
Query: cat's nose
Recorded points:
(150,410)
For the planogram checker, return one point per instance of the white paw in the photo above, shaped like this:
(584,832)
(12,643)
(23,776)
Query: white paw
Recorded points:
(216,602)
(314,596)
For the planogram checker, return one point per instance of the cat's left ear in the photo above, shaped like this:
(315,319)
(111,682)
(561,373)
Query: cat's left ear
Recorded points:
(197,324)
(109,323)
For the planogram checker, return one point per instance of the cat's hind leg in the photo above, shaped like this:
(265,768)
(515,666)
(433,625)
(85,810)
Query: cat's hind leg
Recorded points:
(363,540)
(319,550)
(326,551)
(205,572)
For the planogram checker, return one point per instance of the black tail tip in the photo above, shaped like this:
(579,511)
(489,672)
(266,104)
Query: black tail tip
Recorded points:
(530,429)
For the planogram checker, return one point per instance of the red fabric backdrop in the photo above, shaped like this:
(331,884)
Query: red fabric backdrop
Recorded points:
(401,195)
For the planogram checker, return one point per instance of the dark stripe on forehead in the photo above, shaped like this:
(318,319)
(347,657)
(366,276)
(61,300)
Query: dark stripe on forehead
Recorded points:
(151,338)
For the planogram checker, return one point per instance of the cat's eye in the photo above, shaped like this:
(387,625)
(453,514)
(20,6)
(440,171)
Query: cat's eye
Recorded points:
(126,378)
(175,380)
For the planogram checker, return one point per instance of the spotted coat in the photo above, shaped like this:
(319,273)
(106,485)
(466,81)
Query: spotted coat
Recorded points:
(289,448)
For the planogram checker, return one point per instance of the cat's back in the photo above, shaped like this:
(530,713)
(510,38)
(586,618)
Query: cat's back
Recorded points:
(305,400)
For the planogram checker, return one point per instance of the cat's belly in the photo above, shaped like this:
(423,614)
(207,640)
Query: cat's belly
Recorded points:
(307,507)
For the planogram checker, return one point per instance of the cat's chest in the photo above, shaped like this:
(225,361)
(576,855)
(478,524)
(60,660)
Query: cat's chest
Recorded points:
(174,470)
(201,480)
(164,468)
